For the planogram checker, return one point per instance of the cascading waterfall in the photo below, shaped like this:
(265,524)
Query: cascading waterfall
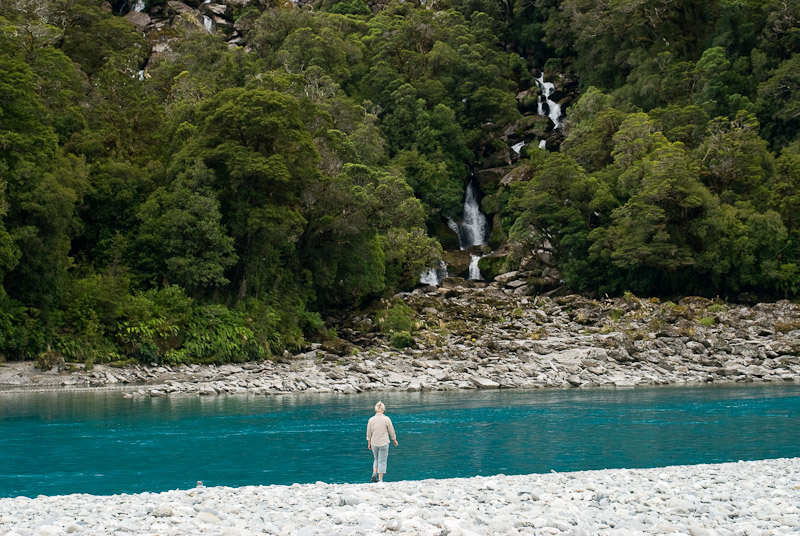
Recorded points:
(545,107)
(208,23)
(138,5)
(471,231)
(474,224)
(474,269)
(553,108)
(434,276)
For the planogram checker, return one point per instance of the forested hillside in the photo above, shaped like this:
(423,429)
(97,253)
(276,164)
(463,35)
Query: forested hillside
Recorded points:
(183,181)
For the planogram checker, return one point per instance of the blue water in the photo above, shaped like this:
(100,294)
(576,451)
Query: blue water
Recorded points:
(102,443)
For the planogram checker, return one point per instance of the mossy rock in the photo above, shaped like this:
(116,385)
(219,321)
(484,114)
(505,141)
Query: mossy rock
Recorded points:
(122,363)
(50,360)
(490,204)
(338,347)
(445,235)
(491,267)
(786,326)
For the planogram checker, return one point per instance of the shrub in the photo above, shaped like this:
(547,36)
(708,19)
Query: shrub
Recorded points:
(717,308)
(22,335)
(152,324)
(147,340)
(402,339)
(220,335)
(398,317)
(707,321)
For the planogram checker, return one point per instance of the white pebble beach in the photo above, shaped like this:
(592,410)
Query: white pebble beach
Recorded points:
(744,498)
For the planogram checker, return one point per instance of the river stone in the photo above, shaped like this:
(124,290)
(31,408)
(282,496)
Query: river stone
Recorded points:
(394,525)
(574,380)
(485,383)
(506,277)
(162,511)
(440,375)
(208,517)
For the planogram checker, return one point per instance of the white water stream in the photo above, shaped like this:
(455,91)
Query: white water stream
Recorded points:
(472,230)
(434,276)
(553,108)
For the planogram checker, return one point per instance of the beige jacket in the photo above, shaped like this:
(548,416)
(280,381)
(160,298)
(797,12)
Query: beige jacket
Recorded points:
(380,430)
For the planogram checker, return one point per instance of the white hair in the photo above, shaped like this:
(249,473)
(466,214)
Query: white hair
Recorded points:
(379,407)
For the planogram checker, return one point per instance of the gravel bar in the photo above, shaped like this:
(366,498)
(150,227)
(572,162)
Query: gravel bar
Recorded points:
(743,498)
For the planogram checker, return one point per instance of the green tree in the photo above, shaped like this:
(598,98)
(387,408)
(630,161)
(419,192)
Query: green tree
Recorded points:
(739,165)
(654,236)
(742,248)
(591,124)
(181,236)
(256,143)
(554,209)
(779,102)
(42,185)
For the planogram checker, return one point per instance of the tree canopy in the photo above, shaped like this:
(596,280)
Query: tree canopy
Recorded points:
(169,196)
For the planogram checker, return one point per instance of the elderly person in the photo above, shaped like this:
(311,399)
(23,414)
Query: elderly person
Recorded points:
(379,431)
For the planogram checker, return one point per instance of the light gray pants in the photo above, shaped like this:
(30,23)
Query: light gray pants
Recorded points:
(381,454)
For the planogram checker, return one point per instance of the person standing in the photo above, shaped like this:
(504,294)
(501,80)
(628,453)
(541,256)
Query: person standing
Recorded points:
(379,431)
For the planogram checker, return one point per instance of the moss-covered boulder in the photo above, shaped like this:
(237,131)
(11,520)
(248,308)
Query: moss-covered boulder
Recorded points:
(50,360)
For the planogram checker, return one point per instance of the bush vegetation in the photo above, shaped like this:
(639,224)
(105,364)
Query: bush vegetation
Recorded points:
(216,207)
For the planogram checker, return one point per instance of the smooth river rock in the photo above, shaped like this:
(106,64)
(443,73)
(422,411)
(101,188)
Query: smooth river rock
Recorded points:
(757,498)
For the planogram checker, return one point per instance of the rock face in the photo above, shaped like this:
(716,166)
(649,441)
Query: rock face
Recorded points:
(498,337)
(165,22)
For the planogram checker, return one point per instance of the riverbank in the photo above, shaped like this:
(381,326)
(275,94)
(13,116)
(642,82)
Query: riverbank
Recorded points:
(753,498)
(493,337)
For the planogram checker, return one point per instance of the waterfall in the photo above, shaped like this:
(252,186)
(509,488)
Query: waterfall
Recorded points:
(208,23)
(553,108)
(517,147)
(473,223)
(474,226)
(542,144)
(474,270)
(472,231)
(138,5)
(434,276)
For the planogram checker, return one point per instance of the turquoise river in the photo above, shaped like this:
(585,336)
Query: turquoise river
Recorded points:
(70,441)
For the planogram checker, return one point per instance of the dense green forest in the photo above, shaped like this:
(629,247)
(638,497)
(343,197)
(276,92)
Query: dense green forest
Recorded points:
(180,194)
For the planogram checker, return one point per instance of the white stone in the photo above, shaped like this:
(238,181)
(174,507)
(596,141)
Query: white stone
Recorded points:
(485,383)
(162,511)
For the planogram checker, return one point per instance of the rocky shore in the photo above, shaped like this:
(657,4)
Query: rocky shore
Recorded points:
(492,337)
(745,498)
